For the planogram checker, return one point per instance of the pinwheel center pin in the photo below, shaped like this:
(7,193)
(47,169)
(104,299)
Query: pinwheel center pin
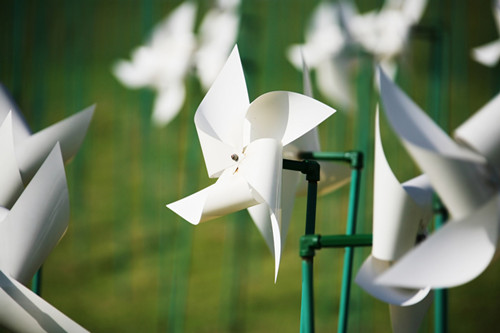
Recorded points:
(235,157)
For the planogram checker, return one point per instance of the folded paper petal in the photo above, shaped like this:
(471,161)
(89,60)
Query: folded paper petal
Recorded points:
(69,132)
(396,215)
(37,220)
(453,255)
(487,54)
(220,117)
(371,269)
(24,311)
(7,104)
(454,171)
(480,132)
(11,185)
(229,194)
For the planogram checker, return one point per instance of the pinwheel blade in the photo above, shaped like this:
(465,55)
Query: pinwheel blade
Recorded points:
(69,132)
(19,125)
(11,185)
(285,116)
(220,117)
(453,255)
(487,54)
(24,311)
(37,220)
(480,132)
(229,194)
(454,171)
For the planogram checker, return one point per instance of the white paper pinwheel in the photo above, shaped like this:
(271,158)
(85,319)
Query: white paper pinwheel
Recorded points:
(400,212)
(31,149)
(466,178)
(323,50)
(217,35)
(32,220)
(384,33)
(489,53)
(163,62)
(242,145)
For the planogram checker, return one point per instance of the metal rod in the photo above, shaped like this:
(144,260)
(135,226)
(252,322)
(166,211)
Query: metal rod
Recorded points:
(307,304)
(440,295)
(349,251)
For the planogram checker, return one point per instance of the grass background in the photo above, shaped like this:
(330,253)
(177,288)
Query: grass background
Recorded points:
(126,263)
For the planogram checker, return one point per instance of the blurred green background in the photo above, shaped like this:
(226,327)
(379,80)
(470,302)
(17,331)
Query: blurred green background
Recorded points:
(127,263)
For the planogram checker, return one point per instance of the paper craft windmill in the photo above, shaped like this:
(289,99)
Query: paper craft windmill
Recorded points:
(489,53)
(35,217)
(384,33)
(464,173)
(400,213)
(324,51)
(242,145)
(163,62)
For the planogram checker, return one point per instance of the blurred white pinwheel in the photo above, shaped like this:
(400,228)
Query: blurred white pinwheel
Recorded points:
(242,145)
(323,50)
(384,33)
(489,53)
(32,220)
(465,175)
(163,62)
(400,213)
(217,35)
(31,149)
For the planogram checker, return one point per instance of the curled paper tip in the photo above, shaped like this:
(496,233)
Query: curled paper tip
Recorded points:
(11,185)
(453,255)
(371,269)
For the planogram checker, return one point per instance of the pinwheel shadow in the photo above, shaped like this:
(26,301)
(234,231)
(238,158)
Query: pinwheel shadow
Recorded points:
(43,319)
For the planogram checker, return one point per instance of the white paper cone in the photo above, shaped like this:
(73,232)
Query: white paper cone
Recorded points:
(407,319)
(24,311)
(7,104)
(69,132)
(453,255)
(11,185)
(37,220)
(481,132)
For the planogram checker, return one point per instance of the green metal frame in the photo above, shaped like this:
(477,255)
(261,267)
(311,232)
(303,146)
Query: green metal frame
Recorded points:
(310,241)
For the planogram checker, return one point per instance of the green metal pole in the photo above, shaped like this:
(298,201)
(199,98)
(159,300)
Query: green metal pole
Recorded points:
(349,251)
(307,304)
(440,295)
(36,282)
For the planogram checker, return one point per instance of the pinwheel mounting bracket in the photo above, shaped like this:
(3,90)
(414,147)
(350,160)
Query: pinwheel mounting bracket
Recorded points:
(312,241)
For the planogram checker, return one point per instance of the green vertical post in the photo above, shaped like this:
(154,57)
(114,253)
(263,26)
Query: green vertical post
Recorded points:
(440,295)
(36,282)
(356,165)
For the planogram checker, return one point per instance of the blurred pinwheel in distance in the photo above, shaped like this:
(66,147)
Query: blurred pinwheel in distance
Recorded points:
(34,212)
(163,62)
(489,53)
(216,37)
(324,50)
(400,213)
(172,51)
(464,173)
(242,145)
(384,33)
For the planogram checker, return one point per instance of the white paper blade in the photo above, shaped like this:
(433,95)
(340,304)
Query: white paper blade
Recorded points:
(487,54)
(11,185)
(229,194)
(7,104)
(453,255)
(454,171)
(396,216)
(220,116)
(285,116)
(371,269)
(480,132)
(37,220)
(24,311)
(69,132)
